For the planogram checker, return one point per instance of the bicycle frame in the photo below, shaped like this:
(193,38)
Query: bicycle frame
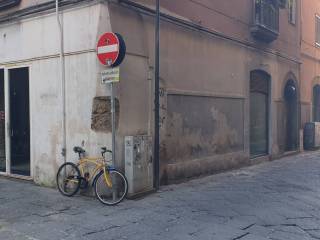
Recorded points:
(99,164)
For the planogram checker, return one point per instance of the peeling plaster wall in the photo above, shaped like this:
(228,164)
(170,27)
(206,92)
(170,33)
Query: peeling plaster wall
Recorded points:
(199,127)
(101,120)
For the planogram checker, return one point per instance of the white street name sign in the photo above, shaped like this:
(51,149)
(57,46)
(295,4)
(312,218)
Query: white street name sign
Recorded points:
(110,75)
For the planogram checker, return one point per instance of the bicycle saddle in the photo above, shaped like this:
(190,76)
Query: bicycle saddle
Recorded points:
(104,150)
(78,150)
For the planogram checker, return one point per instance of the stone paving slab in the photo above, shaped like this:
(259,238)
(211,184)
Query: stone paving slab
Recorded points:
(277,200)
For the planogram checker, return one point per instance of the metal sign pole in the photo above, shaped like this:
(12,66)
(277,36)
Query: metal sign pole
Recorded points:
(113,123)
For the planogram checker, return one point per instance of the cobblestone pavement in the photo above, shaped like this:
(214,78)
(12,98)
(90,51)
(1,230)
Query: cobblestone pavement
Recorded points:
(273,200)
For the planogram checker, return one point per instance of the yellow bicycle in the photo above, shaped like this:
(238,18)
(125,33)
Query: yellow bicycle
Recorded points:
(110,185)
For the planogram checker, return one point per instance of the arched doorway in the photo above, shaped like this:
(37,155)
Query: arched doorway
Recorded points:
(316,103)
(259,113)
(291,107)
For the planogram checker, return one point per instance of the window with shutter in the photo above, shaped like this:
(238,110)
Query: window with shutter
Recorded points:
(292,6)
(317,30)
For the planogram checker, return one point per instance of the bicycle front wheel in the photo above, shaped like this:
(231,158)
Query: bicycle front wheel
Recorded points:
(110,188)
(68,179)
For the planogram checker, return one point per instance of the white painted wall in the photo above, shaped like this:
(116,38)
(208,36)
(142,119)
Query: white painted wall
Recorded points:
(35,43)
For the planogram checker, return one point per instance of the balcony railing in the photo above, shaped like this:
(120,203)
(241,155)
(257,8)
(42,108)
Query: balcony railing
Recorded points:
(4,4)
(266,20)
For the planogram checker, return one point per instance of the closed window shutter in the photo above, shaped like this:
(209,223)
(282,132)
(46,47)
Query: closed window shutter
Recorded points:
(318,30)
(292,11)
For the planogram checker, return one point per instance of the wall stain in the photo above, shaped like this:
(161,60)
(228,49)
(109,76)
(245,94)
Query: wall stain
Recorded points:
(183,142)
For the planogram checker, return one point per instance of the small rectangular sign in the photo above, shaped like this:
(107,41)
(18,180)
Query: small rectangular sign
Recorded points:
(110,75)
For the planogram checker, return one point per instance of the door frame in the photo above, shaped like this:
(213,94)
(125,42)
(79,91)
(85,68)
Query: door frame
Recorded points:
(269,114)
(7,121)
(292,82)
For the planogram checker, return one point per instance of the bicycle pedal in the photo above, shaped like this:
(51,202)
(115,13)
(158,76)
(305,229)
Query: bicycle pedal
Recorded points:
(84,183)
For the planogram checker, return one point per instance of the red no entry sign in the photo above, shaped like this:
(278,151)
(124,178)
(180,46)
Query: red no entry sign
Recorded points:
(111,49)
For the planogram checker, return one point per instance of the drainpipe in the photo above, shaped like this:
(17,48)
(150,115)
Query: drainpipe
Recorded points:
(157,100)
(63,84)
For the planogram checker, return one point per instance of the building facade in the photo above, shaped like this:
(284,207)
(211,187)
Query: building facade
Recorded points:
(248,90)
(229,76)
(310,71)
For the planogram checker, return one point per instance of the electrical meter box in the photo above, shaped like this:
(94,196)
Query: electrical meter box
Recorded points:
(138,165)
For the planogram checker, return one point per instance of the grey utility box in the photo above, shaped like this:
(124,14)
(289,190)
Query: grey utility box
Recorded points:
(311,136)
(138,164)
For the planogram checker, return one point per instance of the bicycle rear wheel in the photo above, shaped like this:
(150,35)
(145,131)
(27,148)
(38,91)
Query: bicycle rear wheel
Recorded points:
(112,190)
(68,179)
